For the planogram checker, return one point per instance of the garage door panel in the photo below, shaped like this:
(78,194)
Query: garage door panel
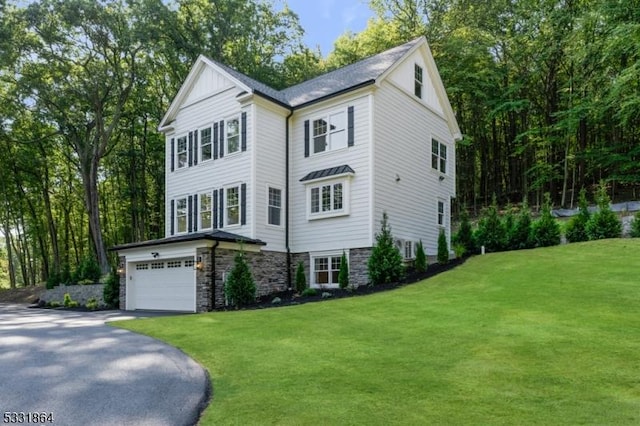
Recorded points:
(165,285)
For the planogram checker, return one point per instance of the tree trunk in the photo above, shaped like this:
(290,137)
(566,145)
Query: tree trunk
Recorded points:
(92,203)
(12,267)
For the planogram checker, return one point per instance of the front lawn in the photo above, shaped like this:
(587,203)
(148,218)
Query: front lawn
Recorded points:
(545,336)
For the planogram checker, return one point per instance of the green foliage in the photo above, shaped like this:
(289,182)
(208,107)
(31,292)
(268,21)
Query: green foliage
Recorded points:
(635,226)
(53,280)
(54,304)
(459,250)
(111,291)
(92,304)
(385,263)
(343,274)
(576,229)
(309,292)
(464,236)
(443,248)
(520,233)
(421,259)
(604,223)
(546,230)
(301,279)
(240,288)
(88,271)
(490,232)
(68,302)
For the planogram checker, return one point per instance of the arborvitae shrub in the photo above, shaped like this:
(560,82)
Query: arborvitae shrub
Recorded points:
(464,236)
(240,288)
(604,223)
(520,235)
(508,223)
(343,274)
(546,231)
(635,226)
(111,291)
(385,263)
(301,279)
(443,248)
(576,229)
(421,259)
(490,232)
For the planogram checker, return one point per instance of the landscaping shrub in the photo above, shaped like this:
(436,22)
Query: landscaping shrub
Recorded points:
(443,248)
(490,232)
(68,302)
(343,274)
(53,280)
(88,269)
(301,279)
(309,292)
(385,264)
(520,234)
(508,223)
(421,259)
(464,236)
(92,304)
(240,288)
(576,229)
(459,250)
(111,291)
(546,231)
(635,226)
(604,223)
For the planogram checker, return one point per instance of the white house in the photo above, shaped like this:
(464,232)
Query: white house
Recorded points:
(297,175)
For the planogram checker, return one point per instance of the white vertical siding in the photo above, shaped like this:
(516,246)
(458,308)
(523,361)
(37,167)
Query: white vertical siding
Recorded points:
(207,83)
(336,233)
(406,186)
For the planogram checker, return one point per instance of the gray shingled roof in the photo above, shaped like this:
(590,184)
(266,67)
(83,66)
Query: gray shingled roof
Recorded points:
(351,76)
(211,236)
(332,171)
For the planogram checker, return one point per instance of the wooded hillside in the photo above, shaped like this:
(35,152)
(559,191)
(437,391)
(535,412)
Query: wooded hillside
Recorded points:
(547,94)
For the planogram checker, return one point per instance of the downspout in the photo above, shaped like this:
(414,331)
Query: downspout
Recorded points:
(213,274)
(286,213)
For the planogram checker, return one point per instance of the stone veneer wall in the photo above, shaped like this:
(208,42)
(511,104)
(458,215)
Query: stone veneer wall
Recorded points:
(269,269)
(78,293)
(123,282)
(358,272)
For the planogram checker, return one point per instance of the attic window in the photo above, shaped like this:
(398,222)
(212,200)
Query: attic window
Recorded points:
(417,90)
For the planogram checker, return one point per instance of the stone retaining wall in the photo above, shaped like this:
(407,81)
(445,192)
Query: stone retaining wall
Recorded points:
(78,293)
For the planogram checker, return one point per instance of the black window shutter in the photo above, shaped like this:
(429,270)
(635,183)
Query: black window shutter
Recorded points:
(243,132)
(190,149)
(195,213)
(215,209)
(215,141)
(350,133)
(172,215)
(221,207)
(306,138)
(243,204)
(196,149)
(190,214)
(221,138)
(173,161)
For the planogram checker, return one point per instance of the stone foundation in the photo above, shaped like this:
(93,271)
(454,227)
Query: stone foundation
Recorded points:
(358,271)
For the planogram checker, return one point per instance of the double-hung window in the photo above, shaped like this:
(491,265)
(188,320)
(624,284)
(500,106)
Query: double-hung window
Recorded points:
(417,88)
(438,156)
(233,135)
(330,132)
(274,214)
(181,215)
(232,206)
(206,149)
(408,249)
(181,152)
(326,269)
(205,213)
(327,198)
(440,213)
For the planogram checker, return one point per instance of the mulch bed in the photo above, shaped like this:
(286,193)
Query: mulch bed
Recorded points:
(288,298)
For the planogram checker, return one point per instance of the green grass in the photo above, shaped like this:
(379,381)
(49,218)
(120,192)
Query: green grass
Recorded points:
(545,336)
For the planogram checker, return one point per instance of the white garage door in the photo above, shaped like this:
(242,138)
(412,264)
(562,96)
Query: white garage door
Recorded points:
(164,285)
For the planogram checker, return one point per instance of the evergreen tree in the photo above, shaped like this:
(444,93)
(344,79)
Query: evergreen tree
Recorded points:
(577,226)
(635,226)
(240,288)
(385,264)
(545,230)
(464,236)
(443,249)
(490,232)
(343,274)
(301,279)
(421,258)
(604,223)
(520,237)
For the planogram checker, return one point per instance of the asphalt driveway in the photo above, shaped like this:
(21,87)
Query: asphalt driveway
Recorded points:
(84,372)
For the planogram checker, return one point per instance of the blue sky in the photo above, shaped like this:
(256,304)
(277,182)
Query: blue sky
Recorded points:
(325,20)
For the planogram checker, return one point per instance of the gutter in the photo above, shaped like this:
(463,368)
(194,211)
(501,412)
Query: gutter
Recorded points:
(286,209)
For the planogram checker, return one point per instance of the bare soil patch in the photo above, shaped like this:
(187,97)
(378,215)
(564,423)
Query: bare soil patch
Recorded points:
(21,295)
